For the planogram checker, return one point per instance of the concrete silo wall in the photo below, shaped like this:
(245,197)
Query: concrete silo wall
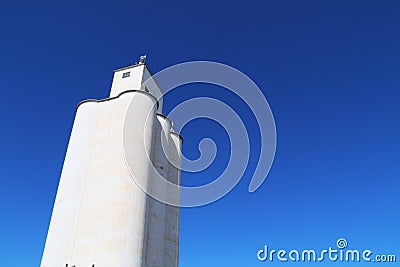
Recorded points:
(101,214)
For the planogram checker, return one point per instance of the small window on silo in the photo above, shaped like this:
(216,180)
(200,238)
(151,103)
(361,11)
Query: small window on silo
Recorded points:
(126,74)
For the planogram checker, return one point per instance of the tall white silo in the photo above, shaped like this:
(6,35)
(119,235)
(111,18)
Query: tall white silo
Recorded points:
(102,217)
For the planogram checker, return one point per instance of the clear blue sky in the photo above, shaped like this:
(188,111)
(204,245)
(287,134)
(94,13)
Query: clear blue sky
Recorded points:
(329,69)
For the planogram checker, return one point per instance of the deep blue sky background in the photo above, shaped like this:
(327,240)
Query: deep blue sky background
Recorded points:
(329,69)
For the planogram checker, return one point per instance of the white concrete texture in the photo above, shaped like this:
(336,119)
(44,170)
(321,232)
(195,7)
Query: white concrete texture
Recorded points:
(101,216)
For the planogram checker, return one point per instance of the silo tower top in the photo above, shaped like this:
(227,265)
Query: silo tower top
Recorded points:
(136,77)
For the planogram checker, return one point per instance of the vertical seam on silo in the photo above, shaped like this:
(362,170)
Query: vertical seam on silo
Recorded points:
(84,183)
